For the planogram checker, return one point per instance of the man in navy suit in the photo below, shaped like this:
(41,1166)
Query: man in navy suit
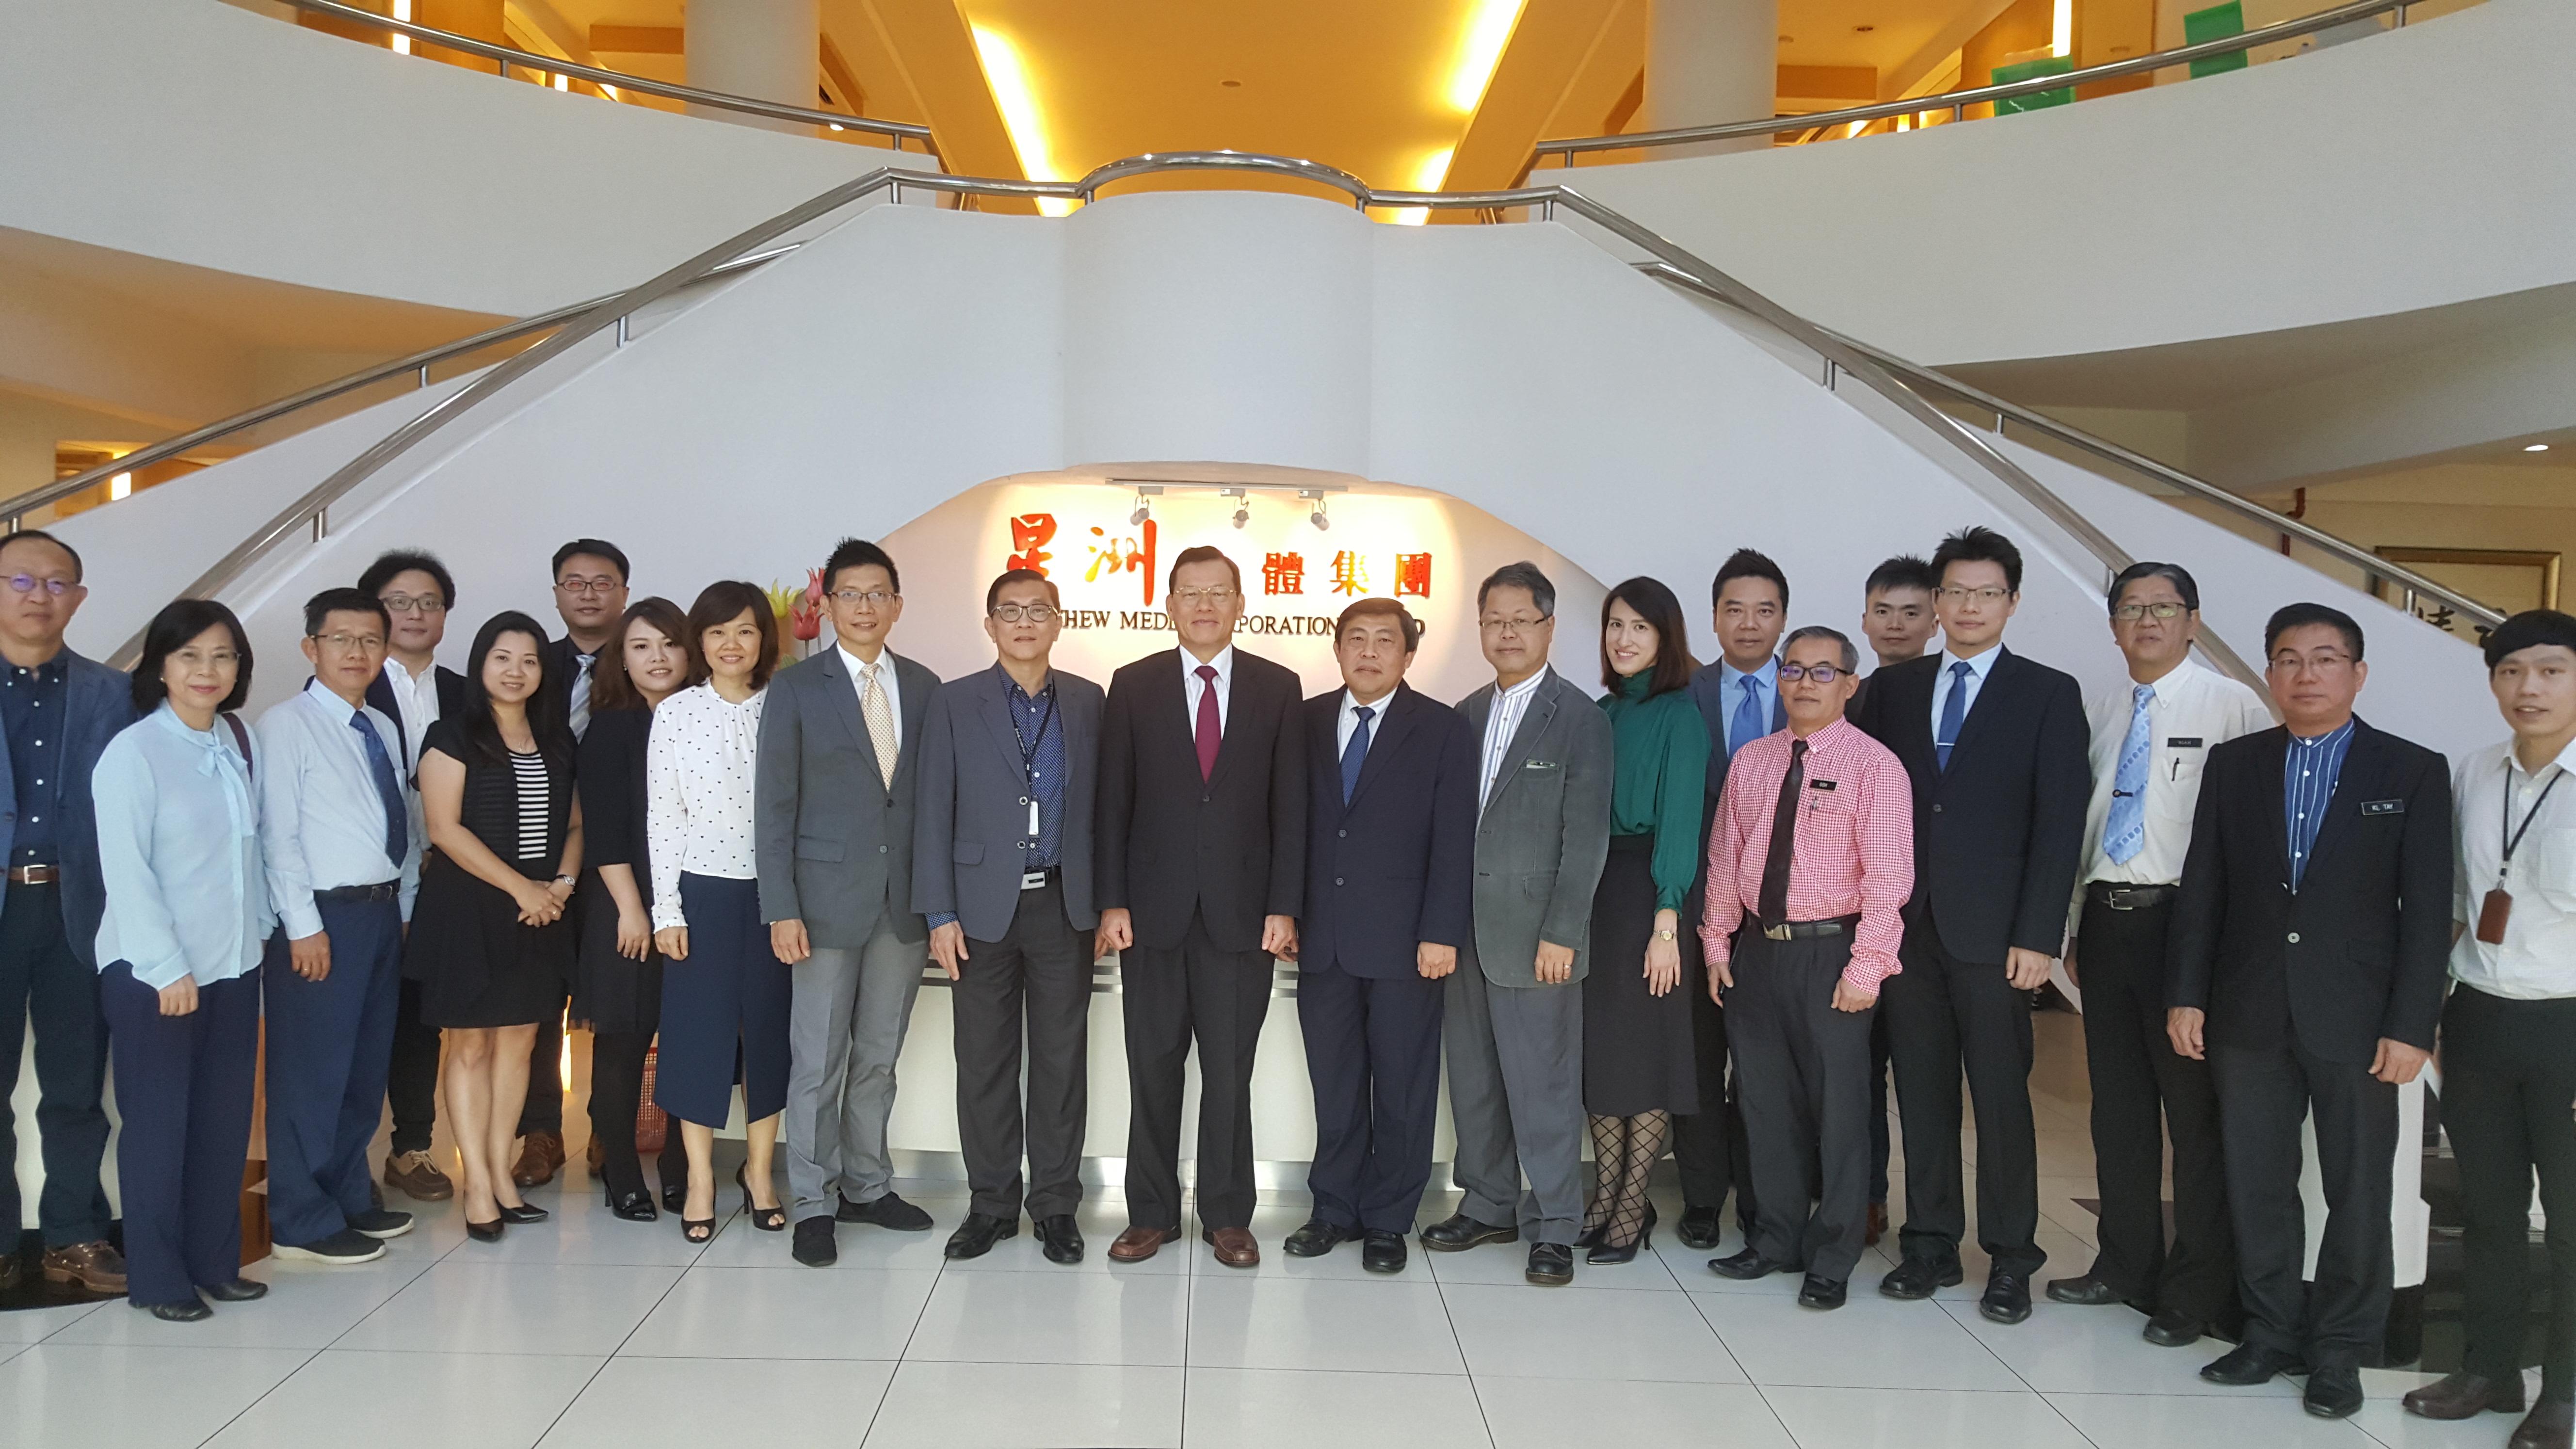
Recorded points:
(1390,862)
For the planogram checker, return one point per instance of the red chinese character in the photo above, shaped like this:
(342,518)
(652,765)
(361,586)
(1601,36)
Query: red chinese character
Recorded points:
(1124,555)
(1413,575)
(1350,573)
(1030,534)
(1283,573)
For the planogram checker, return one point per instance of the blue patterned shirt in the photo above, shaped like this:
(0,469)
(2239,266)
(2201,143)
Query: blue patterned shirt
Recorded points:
(2309,770)
(31,711)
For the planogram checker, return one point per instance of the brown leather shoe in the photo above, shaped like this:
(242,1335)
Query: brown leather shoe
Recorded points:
(538,1158)
(1877,1224)
(96,1267)
(416,1176)
(1137,1244)
(1234,1246)
(2465,1396)
(596,1154)
(2548,1426)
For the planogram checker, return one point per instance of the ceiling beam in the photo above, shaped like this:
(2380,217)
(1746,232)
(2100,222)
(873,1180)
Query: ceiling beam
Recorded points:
(639,39)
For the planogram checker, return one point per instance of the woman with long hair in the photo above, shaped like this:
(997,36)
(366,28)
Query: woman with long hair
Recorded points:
(489,943)
(1638,1068)
(618,989)
(724,991)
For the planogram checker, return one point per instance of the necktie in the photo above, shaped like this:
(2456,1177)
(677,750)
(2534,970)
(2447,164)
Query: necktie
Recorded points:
(1208,731)
(579,715)
(1953,710)
(1355,753)
(1773,903)
(2124,831)
(380,766)
(1747,725)
(880,718)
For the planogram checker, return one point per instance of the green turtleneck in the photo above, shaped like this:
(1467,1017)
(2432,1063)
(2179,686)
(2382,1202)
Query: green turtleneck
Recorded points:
(1657,775)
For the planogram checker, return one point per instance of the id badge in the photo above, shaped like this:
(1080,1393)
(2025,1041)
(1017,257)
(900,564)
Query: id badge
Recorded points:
(2492,914)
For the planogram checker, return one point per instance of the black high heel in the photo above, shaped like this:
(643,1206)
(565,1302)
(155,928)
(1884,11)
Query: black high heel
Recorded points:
(1608,1255)
(698,1230)
(524,1214)
(768,1220)
(485,1232)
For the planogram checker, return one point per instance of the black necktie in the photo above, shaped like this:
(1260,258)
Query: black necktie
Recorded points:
(1774,901)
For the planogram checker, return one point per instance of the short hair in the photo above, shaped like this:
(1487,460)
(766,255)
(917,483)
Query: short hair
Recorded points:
(545,706)
(1850,654)
(2530,629)
(2174,574)
(403,561)
(1977,543)
(179,621)
(610,687)
(1008,577)
(1747,563)
(323,605)
(1203,553)
(596,548)
(38,535)
(1654,603)
(1905,571)
(1521,575)
(718,603)
(1405,624)
(2299,616)
(858,553)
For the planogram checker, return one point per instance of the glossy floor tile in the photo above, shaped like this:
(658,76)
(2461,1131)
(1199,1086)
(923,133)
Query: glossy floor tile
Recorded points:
(762,1313)
(502,1308)
(1559,1334)
(1869,1342)
(1055,1318)
(1544,1414)
(1871,1418)
(414,1401)
(115,1396)
(1298,1409)
(2136,1421)
(1249,1322)
(1029,1406)
(637,1402)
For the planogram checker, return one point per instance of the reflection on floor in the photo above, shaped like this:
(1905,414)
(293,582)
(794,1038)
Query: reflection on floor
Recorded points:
(589,1331)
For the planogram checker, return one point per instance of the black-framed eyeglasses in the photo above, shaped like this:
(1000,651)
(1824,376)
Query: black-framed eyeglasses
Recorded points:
(1820,673)
(1028,613)
(853,598)
(423,604)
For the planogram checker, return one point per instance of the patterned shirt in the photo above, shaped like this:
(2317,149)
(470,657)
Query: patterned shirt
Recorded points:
(2309,769)
(1852,853)
(31,710)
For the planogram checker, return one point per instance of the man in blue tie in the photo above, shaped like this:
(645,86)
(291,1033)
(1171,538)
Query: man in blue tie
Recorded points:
(1739,701)
(343,857)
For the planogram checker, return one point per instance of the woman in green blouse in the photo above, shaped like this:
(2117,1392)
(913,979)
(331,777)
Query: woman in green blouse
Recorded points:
(1637,1061)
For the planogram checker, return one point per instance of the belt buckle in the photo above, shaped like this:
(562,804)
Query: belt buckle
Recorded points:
(1032,879)
(1777,933)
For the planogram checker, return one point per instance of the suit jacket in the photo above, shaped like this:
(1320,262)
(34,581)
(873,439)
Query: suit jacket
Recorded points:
(832,840)
(1232,847)
(972,811)
(1998,836)
(100,702)
(2357,952)
(451,699)
(1396,865)
(1544,833)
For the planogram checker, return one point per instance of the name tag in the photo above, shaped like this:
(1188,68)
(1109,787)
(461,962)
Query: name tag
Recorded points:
(2383,807)
(1538,764)
(2183,742)
(1820,784)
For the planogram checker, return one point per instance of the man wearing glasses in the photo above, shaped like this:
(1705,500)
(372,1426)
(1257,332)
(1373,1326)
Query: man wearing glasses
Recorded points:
(1002,874)
(2150,743)
(832,812)
(57,712)
(342,841)
(415,692)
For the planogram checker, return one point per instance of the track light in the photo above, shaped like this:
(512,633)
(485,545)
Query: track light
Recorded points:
(1144,510)
(1242,514)
(1242,504)
(1317,517)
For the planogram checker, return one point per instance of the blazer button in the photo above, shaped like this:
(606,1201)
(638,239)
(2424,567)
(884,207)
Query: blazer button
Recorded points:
(1936,808)
(2294,938)
(881,850)
(1337,880)
(1342,834)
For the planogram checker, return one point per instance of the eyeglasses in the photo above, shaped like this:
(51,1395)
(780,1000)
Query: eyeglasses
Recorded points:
(1191,598)
(1514,625)
(2132,613)
(2289,663)
(29,583)
(1821,673)
(1028,613)
(872,598)
(424,605)
(1983,596)
(601,585)
(347,643)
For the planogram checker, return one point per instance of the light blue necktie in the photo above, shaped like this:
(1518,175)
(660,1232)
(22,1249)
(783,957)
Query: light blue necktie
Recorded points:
(1355,753)
(1953,711)
(380,765)
(2124,832)
(1748,718)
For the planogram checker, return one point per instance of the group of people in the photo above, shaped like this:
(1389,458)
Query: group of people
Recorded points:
(1585,906)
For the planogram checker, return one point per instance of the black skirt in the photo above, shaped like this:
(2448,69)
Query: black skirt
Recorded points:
(1636,1047)
(476,964)
(610,992)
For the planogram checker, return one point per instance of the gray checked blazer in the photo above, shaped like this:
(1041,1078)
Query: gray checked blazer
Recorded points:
(1544,833)
(973,803)
(833,842)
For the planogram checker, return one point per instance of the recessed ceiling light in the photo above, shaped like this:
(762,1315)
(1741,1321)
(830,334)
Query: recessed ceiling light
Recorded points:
(1863,29)
(2535,447)
(1788,39)
(1230,84)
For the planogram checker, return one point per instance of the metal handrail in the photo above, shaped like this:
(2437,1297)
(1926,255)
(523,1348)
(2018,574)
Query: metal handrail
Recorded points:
(508,55)
(1919,377)
(1957,102)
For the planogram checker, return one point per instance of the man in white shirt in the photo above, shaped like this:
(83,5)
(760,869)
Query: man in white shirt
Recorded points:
(2508,1056)
(2149,740)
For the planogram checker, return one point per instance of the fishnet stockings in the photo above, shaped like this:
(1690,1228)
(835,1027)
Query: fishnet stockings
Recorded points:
(1624,1150)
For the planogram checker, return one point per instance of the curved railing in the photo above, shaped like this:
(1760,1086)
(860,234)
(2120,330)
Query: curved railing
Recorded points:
(510,56)
(1957,102)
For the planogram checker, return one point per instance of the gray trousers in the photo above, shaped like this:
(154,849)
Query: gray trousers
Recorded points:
(1516,1099)
(843,1035)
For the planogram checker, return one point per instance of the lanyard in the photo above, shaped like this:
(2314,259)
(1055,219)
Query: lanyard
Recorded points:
(2513,836)
(1029,753)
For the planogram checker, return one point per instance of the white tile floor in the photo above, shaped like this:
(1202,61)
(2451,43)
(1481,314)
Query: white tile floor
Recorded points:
(592,1332)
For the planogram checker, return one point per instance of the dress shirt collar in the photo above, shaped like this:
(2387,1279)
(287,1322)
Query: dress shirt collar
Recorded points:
(1768,676)
(1522,690)
(317,695)
(2331,737)
(2564,761)
(859,667)
(1011,690)
(403,676)
(1377,707)
(51,671)
(1823,739)
(1981,665)
(1223,664)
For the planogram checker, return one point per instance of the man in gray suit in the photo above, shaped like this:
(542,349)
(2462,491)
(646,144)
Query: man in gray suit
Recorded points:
(1002,871)
(832,824)
(1514,1027)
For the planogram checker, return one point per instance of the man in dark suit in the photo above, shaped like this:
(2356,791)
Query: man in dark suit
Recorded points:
(1001,871)
(1739,700)
(1995,746)
(2307,968)
(1201,864)
(1390,873)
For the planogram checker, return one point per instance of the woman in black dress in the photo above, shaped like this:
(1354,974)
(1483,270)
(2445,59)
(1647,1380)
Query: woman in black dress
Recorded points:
(488,943)
(618,990)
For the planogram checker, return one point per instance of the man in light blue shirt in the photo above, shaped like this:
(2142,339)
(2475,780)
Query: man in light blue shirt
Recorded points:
(343,855)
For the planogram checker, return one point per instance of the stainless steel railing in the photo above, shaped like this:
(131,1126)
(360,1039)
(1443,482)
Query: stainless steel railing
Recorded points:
(1957,102)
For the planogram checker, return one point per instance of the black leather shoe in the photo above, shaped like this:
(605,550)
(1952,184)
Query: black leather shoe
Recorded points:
(1700,1228)
(2465,1396)
(243,1290)
(2249,1363)
(524,1214)
(2006,1299)
(889,1211)
(1608,1255)
(2085,1292)
(2333,1393)
(1915,1278)
(1316,1238)
(1382,1252)
(635,1207)
(675,1195)
(192,1310)
(2174,1328)
(976,1236)
(1551,1265)
(1746,1266)
(485,1232)
(2551,1425)
(1059,1239)
(814,1245)
(1459,1232)
(1824,1294)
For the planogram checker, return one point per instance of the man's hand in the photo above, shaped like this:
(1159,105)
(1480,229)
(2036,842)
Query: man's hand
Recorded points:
(310,955)
(1555,963)
(1117,930)
(788,942)
(2396,1063)
(2182,1028)
(1848,997)
(2078,981)
(1279,936)
(1434,960)
(672,942)
(179,997)
(2025,969)
(948,947)
(1721,975)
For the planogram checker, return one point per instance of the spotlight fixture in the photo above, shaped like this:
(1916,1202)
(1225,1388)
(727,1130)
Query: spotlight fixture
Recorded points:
(1317,517)
(2535,447)
(1242,504)
(1144,510)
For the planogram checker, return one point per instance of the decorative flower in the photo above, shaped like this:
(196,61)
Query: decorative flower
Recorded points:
(805,616)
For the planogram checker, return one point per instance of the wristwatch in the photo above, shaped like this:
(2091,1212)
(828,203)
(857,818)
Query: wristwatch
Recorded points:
(565,880)
(1667,936)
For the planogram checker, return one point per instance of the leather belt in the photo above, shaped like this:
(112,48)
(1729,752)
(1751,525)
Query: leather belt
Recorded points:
(1792,930)
(2131,897)
(34,874)
(1038,879)
(381,891)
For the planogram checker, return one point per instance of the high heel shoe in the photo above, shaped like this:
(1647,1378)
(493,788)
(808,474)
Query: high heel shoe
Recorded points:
(524,1214)
(767,1219)
(1593,1237)
(698,1230)
(485,1232)
(1607,1254)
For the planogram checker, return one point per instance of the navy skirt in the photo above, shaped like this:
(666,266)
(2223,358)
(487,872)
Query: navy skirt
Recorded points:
(724,1009)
